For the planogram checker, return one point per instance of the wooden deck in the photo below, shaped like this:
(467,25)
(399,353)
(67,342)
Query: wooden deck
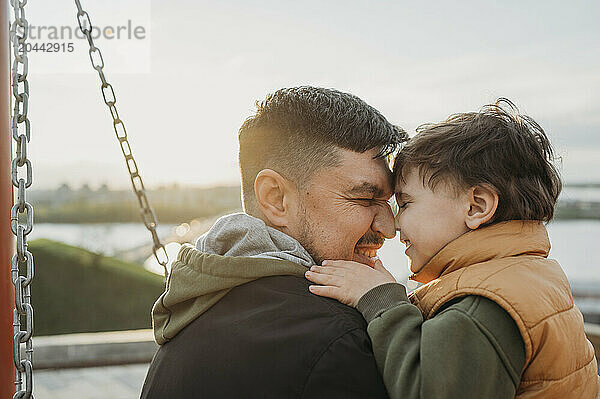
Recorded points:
(108,377)
(114,382)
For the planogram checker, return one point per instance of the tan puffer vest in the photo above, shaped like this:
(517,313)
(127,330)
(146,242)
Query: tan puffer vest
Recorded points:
(507,263)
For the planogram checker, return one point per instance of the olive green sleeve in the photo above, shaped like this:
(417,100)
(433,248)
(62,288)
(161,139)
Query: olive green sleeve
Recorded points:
(470,349)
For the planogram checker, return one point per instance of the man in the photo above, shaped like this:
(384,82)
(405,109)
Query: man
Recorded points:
(236,319)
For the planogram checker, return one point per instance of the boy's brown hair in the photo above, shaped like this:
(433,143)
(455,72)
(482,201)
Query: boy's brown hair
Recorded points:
(495,146)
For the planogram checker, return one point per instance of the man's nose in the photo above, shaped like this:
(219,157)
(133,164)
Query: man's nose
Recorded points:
(383,223)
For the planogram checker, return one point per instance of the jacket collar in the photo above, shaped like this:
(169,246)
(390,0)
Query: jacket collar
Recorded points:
(501,240)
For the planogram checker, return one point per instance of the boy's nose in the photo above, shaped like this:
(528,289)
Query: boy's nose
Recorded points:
(397,222)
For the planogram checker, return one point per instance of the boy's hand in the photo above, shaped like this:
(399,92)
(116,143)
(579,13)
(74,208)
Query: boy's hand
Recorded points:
(347,281)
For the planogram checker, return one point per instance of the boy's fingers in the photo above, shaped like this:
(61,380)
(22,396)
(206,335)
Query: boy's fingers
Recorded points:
(326,291)
(349,264)
(323,279)
(336,263)
(327,270)
(363,260)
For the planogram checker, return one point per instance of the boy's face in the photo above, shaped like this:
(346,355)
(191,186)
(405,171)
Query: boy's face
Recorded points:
(427,219)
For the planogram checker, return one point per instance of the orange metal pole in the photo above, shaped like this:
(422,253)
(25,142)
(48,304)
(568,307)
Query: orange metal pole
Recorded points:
(7,372)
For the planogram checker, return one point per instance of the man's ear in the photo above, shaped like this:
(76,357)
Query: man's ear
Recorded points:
(483,202)
(274,195)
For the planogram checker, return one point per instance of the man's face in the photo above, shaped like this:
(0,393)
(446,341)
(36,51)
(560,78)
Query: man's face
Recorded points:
(427,219)
(344,210)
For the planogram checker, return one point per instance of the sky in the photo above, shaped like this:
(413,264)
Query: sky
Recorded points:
(184,89)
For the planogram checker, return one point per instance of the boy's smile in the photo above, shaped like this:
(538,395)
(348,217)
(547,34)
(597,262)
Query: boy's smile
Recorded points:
(428,219)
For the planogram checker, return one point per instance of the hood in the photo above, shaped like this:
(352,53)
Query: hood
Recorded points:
(240,234)
(501,240)
(236,250)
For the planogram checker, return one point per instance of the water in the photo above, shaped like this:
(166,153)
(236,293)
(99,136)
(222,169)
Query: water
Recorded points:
(105,238)
(587,194)
(573,244)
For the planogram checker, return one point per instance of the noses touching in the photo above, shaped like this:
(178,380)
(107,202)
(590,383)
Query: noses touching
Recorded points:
(383,222)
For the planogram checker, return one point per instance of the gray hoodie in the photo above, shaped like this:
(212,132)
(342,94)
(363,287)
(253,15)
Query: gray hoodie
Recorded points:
(240,234)
(237,249)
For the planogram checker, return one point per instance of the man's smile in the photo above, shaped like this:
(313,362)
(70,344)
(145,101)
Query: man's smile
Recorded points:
(369,244)
(367,250)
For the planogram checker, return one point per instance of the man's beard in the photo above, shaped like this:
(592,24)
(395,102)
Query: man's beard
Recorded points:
(306,238)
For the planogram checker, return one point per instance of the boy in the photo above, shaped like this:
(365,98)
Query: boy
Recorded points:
(495,318)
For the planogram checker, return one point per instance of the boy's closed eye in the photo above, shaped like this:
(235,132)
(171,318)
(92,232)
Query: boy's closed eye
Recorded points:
(402,200)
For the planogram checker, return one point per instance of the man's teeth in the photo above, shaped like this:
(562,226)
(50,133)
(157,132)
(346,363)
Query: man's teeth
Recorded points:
(371,253)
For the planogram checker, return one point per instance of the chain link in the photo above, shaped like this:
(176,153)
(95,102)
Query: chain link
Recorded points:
(110,99)
(21,214)
(23,259)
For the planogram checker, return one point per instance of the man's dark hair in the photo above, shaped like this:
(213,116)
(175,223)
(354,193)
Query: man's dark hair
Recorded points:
(298,131)
(496,146)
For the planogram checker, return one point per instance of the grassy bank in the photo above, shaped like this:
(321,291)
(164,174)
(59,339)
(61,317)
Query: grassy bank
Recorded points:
(81,212)
(171,205)
(75,290)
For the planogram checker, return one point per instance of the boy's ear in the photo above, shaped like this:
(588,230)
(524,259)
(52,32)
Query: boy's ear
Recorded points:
(483,202)
(273,194)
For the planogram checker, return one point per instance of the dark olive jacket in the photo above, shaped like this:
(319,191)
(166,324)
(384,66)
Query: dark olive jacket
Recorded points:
(268,338)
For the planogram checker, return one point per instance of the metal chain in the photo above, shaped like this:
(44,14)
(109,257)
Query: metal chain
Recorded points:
(110,99)
(21,211)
